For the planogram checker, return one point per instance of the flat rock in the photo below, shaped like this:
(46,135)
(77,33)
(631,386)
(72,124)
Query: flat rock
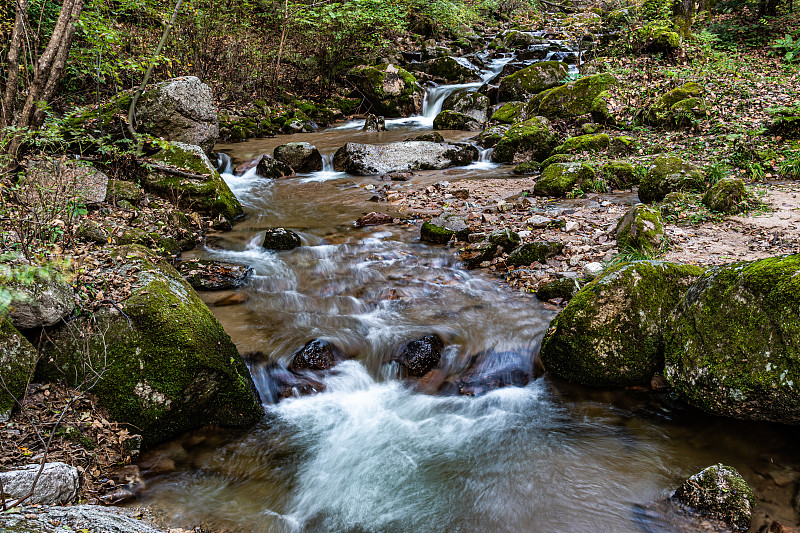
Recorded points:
(58,483)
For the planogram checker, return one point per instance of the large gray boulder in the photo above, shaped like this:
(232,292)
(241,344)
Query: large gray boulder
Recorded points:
(94,518)
(47,181)
(732,347)
(17,361)
(181,109)
(471,104)
(372,159)
(43,302)
(57,484)
(161,361)
(301,156)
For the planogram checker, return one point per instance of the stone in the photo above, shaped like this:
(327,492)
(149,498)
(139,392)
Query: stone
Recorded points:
(473,105)
(166,364)
(509,113)
(531,252)
(492,370)
(57,519)
(611,334)
(277,383)
(434,137)
(371,159)
(619,175)
(679,108)
(391,91)
(586,95)
(641,229)
(374,123)
(490,137)
(57,484)
(47,181)
(91,231)
(530,140)
(269,167)
(658,37)
(155,241)
(318,354)
(583,143)
(559,179)
(504,239)
(530,81)
(17,361)
(727,196)
(451,69)
(419,356)
(42,302)
(281,239)
(374,219)
(182,110)
(667,174)
(214,275)
(202,189)
(441,229)
(452,120)
(119,190)
(719,492)
(475,253)
(299,156)
(731,346)
(538,221)
(564,288)
(784,121)
(592,270)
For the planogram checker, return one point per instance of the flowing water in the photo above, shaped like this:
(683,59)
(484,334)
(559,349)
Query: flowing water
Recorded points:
(377,453)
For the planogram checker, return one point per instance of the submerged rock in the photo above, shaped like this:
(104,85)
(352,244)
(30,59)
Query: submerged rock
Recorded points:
(281,239)
(165,364)
(492,370)
(667,174)
(213,275)
(441,229)
(300,156)
(371,159)
(728,195)
(318,354)
(719,492)
(420,355)
(17,361)
(611,333)
(732,346)
(57,483)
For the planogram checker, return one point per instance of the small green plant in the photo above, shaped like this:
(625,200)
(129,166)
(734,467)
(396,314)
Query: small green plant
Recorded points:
(716,171)
(755,171)
(790,167)
(789,46)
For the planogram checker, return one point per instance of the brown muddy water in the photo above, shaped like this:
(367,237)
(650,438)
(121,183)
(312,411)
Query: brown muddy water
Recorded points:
(373,454)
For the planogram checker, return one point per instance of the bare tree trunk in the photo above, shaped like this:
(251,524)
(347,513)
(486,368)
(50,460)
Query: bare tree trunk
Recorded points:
(280,47)
(10,93)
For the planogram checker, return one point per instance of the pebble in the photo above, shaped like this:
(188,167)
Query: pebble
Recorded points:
(592,270)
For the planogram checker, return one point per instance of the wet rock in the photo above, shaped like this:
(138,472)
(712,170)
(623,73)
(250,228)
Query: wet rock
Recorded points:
(490,137)
(276,383)
(269,167)
(510,113)
(731,346)
(91,231)
(728,195)
(530,140)
(300,156)
(374,123)
(421,355)
(57,484)
(611,333)
(591,270)
(167,364)
(534,252)
(42,302)
(213,275)
(434,137)
(182,110)
(390,90)
(493,370)
(530,81)
(564,288)
(719,492)
(640,229)
(369,159)
(95,518)
(17,361)
(441,229)
(203,189)
(584,96)
(667,174)
(452,69)
(119,190)
(473,105)
(318,354)
(452,120)
(281,239)
(374,219)
(476,253)
(559,179)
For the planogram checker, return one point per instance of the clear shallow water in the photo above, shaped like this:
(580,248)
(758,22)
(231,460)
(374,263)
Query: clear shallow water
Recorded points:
(375,453)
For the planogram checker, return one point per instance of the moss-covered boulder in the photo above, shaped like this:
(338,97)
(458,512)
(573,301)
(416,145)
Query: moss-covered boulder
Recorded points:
(583,143)
(474,105)
(510,113)
(623,145)
(452,69)
(720,493)
(119,190)
(196,183)
(785,121)
(580,97)
(560,178)
(532,139)
(441,229)
(732,347)
(640,229)
(658,38)
(17,360)
(453,120)
(667,174)
(619,175)
(490,137)
(728,195)
(679,108)
(300,156)
(564,288)
(153,240)
(530,81)
(162,362)
(532,252)
(514,39)
(611,333)
(390,90)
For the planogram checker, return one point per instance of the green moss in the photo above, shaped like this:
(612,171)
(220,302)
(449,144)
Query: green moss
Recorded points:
(372,81)
(728,195)
(489,138)
(451,70)
(528,167)
(453,120)
(640,229)
(441,229)
(668,174)
(560,178)
(532,139)
(619,175)
(584,143)
(733,348)
(509,113)
(611,333)
(573,99)
(623,144)
(557,158)
(721,493)
(564,288)
(17,360)
(532,252)
(532,80)
(123,190)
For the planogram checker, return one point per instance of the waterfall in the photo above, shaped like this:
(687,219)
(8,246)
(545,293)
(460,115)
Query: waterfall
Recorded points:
(327,163)
(485,155)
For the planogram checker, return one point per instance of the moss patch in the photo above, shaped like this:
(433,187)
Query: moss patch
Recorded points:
(667,174)
(533,252)
(532,139)
(721,493)
(584,143)
(728,195)
(509,113)
(17,361)
(560,178)
(640,229)
(532,80)
(574,99)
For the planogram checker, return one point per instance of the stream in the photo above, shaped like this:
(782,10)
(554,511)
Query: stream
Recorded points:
(376,453)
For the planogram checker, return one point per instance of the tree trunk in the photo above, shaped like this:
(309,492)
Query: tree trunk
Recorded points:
(280,46)
(10,93)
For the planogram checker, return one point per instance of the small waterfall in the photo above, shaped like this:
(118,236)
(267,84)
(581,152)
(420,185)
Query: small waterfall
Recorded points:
(224,164)
(327,163)
(435,97)
(485,155)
